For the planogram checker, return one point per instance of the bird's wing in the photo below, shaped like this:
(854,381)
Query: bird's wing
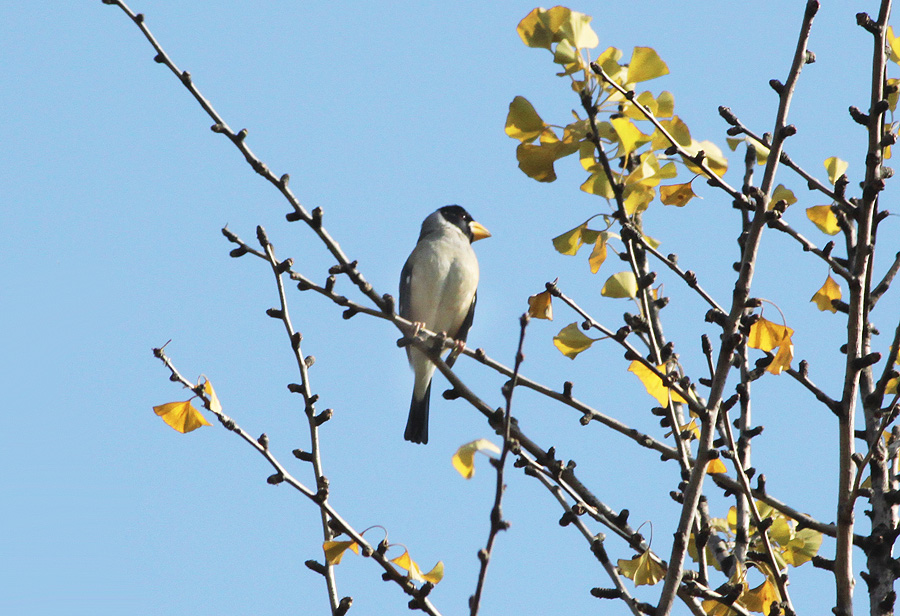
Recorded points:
(463,332)
(405,280)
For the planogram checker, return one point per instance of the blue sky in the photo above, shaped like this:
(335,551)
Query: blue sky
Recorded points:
(115,191)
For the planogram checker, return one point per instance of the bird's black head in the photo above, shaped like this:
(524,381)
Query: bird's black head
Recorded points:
(457,215)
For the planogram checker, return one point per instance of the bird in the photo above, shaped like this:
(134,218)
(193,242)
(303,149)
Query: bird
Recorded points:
(438,291)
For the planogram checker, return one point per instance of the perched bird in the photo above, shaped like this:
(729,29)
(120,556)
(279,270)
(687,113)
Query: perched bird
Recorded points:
(437,292)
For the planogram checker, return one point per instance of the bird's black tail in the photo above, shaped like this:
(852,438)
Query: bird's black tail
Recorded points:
(417,424)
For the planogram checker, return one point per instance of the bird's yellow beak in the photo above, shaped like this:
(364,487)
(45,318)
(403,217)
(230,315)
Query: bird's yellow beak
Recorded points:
(478,231)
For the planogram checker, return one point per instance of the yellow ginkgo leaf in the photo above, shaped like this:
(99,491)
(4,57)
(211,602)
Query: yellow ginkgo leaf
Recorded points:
(638,198)
(536,161)
(803,547)
(464,458)
(571,341)
(598,184)
(760,599)
(829,291)
(677,129)
(835,168)
(783,357)
(405,562)
(824,218)
(691,428)
(598,254)
(716,466)
(892,386)
(645,65)
(523,122)
(577,32)
(653,383)
(630,137)
(766,335)
(436,574)
(676,194)
(569,242)
(541,26)
(182,416)
(540,306)
(782,194)
(620,285)
(214,404)
(334,550)
(642,569)
(665,104)
(715,159)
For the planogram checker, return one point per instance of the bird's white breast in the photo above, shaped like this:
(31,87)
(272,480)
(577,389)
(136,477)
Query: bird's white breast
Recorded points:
(443,282)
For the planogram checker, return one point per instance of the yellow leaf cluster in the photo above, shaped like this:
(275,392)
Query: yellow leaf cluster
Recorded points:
(567,34)
(824,296)
(653,383)
(464,458)
(404,561)
(766,336)
(643,569)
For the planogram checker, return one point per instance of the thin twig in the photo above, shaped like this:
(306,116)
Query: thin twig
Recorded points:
(497,521)
(283,476)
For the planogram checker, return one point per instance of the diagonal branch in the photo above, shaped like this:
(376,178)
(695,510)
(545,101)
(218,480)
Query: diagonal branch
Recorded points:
(261,445)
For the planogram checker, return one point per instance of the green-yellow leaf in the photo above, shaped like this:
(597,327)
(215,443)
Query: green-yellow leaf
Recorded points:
(677,129)
(334,550)
(643,569)
(569,242)
(835,168)
(638,198)
(576,30)
(824,296)
(665,105)
(676,194)
(782,194)
(716,161)
(436,574)
(646,99)
(653,383)
(464,458)
(182,416)
(620,285)
(541,26)
(824,218)
(629,136)
(540,306)
(571,341)
(645,65)
(803,547)
(523,122)
(598,184)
